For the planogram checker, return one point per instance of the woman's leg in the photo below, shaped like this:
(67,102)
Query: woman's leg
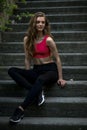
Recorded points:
(44,79)
(48,77)
(23,77)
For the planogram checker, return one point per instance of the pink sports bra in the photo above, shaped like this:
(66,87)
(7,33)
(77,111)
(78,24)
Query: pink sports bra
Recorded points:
(41,49)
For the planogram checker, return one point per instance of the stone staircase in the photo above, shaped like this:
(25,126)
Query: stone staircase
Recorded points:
(66,108)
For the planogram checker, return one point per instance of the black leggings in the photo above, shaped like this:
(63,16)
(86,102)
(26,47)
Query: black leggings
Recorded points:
(34,79)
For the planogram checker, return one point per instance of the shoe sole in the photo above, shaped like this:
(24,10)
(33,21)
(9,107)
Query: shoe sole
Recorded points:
(17,121)
(41,101)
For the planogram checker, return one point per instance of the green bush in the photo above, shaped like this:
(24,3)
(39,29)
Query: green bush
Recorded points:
(6,10)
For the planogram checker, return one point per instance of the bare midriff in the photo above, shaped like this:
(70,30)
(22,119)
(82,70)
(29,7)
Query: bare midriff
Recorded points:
(39,61)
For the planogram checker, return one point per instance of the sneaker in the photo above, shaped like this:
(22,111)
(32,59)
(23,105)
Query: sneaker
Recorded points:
(17,116)
(41,99)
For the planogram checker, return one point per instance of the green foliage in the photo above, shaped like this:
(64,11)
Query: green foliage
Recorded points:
(24,14)
(7,6)
(6,10)
(4,24)
(24,1)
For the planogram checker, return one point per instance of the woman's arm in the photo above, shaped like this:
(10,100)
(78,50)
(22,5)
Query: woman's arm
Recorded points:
(54,51)
(27,58)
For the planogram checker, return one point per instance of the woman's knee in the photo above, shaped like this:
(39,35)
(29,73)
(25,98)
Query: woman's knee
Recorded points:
(11,70)
(41,79)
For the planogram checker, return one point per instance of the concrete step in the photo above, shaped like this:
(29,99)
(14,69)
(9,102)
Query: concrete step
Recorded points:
(62,26)
(63,47)
(72,46)
(69,72)
(14,59)
(53,123)
(73,88)
(9,47)
(53,107)
(82,17)
(58,36)
(51,3)
(52,10)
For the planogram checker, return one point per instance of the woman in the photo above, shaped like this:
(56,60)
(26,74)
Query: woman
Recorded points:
(40,47)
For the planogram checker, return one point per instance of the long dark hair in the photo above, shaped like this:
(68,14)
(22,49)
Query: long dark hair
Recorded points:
(32,32)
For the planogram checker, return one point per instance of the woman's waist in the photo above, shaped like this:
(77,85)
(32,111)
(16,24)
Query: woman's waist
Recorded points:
(49,66)
(41,61)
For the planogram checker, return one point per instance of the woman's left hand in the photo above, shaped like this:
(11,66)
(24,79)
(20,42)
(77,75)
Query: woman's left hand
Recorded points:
(61,82)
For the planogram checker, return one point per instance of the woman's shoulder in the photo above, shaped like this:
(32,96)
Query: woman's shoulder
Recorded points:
(25,39)
(49,39)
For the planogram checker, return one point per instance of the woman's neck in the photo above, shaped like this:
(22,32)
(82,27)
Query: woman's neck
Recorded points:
(40,35)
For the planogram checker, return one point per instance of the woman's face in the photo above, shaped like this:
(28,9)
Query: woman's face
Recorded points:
(40,24)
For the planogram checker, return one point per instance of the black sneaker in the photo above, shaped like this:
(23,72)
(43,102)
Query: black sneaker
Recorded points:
(17,116)
(41,99)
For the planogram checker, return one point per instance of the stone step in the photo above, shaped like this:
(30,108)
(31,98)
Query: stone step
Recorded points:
(51,3)
(8,88)
(63,26)
(9,47)
(61,35)
(63,47)
(53,107)
(52,10)
(80,17)
(45,123)
(14,59)
(69,72)
(72,47)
